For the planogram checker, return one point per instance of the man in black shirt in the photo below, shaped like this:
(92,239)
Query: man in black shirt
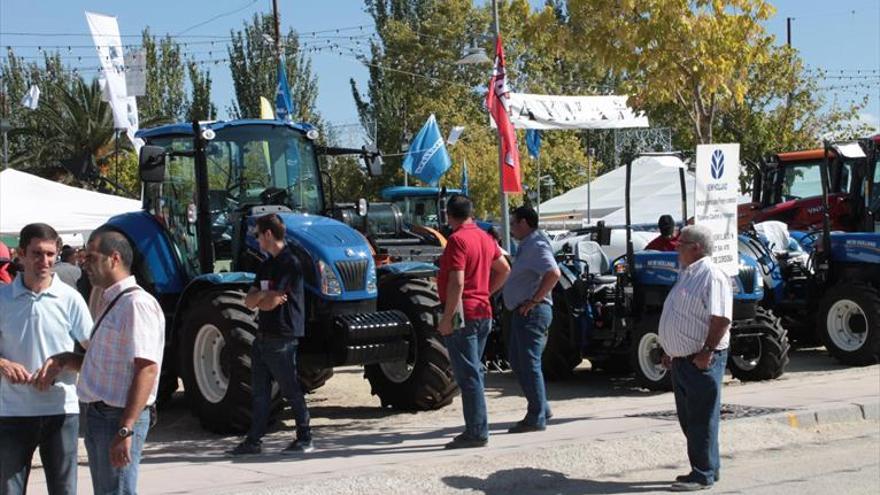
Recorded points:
(278,293)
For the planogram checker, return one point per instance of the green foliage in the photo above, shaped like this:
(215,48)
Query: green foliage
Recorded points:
(165,99)
(201,107)
(254,71)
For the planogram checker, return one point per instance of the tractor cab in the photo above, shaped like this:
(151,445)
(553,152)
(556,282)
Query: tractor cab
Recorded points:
(420,205)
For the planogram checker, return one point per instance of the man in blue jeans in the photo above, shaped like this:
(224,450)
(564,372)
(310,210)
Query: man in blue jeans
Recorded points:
(527,296)
(39,316)
(695,334)
(471,269)
(278,293)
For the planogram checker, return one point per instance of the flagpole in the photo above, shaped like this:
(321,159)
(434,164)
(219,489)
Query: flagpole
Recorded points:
(277,31)
(505,213)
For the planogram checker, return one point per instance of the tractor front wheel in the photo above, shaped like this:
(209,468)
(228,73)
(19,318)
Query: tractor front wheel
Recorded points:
(761,353)
(849,323)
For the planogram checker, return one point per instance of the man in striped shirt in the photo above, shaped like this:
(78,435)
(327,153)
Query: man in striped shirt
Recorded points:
(694,334)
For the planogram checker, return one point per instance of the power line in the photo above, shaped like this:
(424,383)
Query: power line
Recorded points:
(218,16)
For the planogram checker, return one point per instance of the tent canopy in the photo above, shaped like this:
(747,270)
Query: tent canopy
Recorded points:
(26,198)
(655,191)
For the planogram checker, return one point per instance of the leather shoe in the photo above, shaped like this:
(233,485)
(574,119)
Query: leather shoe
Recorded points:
(521,427)
(688,486)
(466,442)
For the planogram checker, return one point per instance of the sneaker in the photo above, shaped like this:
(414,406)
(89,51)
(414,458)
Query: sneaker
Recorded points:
(466,442)
(299,447)
(523,427)
(245,448)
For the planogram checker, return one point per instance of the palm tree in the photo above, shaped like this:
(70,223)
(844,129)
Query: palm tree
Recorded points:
(73,123)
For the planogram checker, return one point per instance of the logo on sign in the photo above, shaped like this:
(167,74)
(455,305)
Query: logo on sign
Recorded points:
(717,164)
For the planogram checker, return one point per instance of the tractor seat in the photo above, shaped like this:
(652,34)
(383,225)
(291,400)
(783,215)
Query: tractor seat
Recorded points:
(590,252)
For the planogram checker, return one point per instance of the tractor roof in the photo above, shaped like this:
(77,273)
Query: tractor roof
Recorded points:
(398,192)
(185,128)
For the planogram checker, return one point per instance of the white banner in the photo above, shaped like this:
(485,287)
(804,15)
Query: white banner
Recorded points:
(105,33)
(717,192)
(136,73)
(528,111)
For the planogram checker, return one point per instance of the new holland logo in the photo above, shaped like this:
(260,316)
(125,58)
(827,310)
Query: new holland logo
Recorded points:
(717,164)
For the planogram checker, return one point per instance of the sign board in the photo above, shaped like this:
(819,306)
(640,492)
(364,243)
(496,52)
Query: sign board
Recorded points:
(717,192)
(135,73)
(530,111)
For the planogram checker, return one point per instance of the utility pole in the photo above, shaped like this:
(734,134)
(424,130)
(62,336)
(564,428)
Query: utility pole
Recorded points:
(505,213)
(277,30)
(788,31)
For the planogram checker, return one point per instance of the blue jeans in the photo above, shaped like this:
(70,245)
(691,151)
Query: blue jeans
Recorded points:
(698,403)
(55,436)
(275,358)
(466,346)
(102,426)
(528,336)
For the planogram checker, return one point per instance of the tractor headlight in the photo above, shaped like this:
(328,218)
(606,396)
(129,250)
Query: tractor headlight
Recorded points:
(371,278)
(330,285)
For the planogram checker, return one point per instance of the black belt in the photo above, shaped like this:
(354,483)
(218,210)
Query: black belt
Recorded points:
(103,405)
(692,356)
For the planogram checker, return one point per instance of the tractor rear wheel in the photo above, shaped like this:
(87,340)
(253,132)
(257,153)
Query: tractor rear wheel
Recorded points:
(849,323)
(763,354)
(424,381)
(561,355)
(217,334)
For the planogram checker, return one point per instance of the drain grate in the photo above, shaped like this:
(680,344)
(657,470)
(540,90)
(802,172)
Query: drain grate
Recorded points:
(728,411)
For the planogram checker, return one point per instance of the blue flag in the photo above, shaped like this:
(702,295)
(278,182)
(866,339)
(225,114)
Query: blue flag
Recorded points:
(464,179)
(533,142)
(283,102)
(427,157)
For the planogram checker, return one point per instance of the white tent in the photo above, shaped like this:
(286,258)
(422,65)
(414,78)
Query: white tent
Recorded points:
(655,190)
(73,212)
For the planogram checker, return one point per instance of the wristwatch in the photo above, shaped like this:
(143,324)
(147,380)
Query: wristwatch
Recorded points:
(125,432)
(706,348)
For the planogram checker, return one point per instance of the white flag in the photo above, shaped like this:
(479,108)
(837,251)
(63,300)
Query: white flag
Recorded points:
(454,134)
(31,98)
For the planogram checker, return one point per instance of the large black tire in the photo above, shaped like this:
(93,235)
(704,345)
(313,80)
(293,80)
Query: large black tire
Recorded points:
(561,355)
(849,323)
(425,381)
(761,357)
(311,379)
(645,357)
(217,333)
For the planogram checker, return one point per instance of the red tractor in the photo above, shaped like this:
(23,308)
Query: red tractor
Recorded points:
(787,187)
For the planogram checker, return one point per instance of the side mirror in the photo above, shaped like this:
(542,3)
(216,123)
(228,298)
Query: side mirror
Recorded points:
(151,164)
(373,160)
(603,234)
(441,211)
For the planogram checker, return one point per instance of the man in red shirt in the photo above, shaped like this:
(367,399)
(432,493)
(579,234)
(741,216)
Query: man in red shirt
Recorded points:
(471,269)
(667,240)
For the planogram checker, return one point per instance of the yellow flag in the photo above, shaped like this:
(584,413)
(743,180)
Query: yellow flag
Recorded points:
(266,110)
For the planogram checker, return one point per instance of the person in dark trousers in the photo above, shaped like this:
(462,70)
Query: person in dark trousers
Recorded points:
(695,335)
(527,296)
(471,270)
(278,294)
(40,316)
(667,240)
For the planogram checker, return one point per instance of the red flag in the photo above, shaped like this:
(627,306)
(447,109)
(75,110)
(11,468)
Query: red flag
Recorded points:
(496,101)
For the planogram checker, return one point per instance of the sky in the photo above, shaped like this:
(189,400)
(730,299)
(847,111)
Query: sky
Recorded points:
(840,36)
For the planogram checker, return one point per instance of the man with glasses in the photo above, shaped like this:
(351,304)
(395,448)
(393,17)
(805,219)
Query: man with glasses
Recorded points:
(695,334)
(278,294)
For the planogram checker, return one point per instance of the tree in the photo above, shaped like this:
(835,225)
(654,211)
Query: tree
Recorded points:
(165,99)
(200,107)
(695,53)
(254,71)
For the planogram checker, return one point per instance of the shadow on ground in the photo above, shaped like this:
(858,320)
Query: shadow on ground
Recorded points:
(530,480)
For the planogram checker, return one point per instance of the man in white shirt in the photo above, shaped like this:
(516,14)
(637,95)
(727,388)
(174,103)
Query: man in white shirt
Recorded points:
(695,334)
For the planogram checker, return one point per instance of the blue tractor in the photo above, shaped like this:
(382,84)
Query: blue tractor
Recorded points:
(826,284)
(204,185)
(609,310)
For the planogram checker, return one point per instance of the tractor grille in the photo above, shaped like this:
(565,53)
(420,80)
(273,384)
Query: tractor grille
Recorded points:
(747,278)
(354,274)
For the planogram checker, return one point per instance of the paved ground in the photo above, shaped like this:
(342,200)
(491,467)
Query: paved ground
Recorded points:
(606,437)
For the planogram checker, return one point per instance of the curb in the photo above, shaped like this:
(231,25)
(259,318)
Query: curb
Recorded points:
(858,411)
